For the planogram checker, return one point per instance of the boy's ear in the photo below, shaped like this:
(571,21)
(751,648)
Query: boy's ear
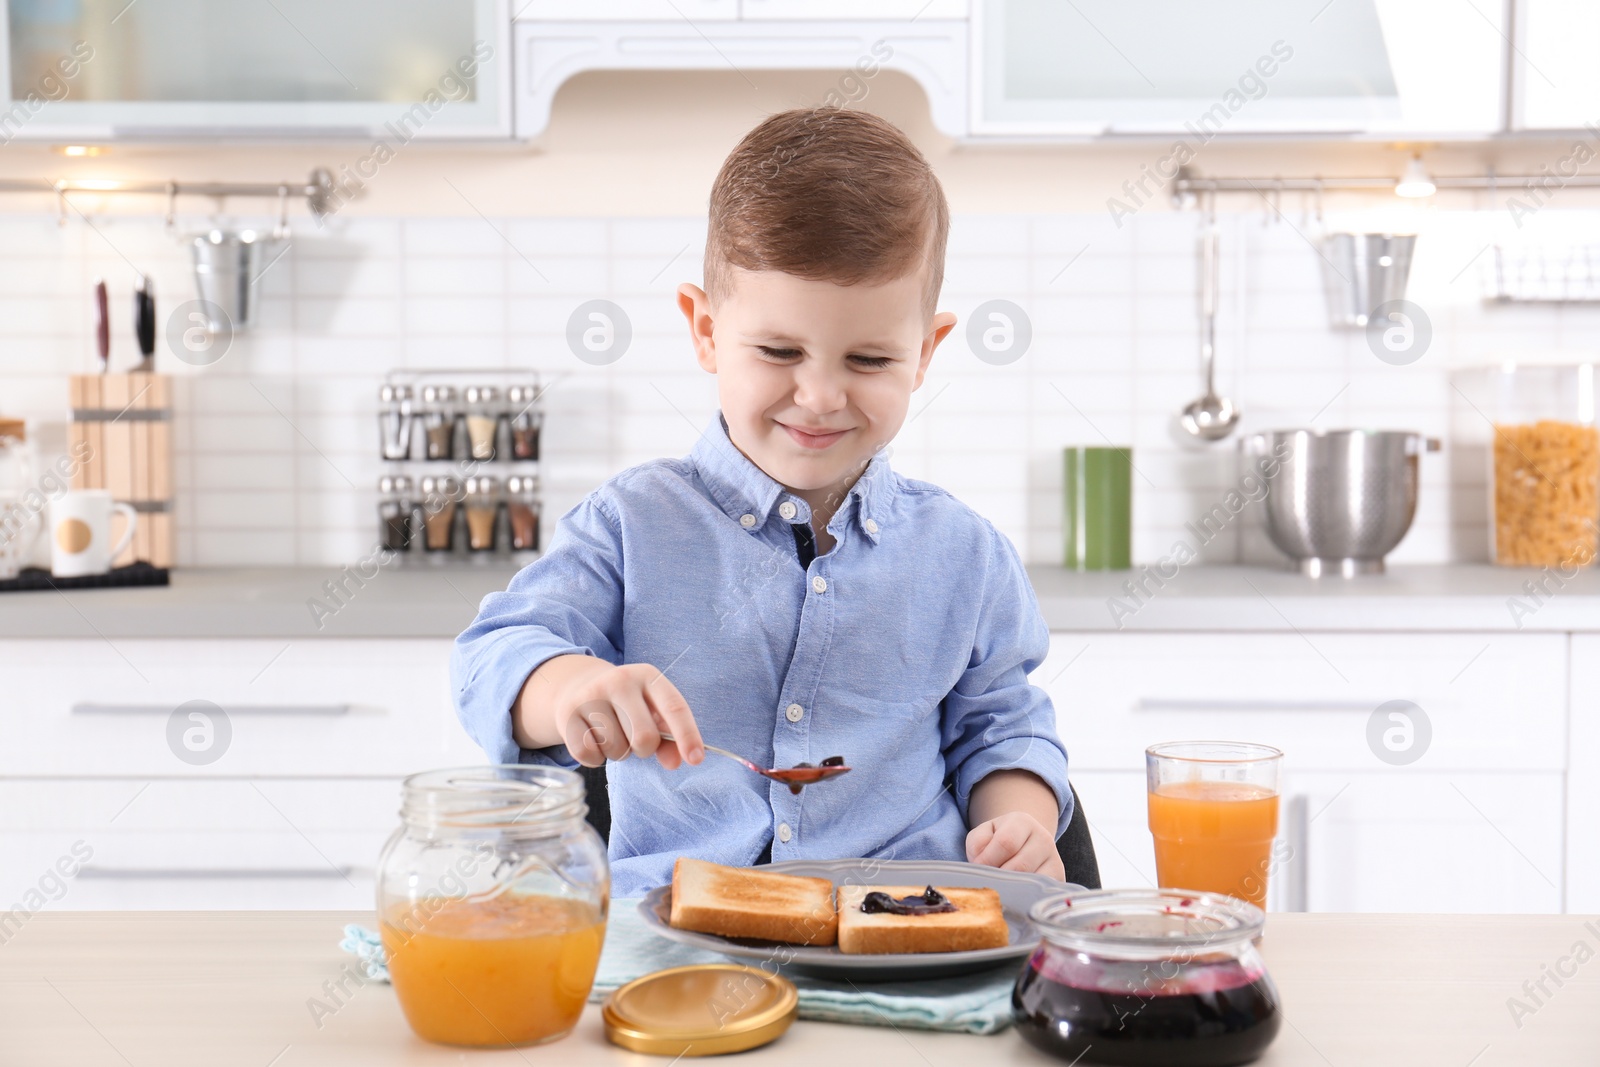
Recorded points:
(696,308)
(943,323)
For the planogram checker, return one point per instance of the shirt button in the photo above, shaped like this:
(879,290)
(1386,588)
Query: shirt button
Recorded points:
(819,584)
(784,833)
(786,509)
(794,712)
(747,521)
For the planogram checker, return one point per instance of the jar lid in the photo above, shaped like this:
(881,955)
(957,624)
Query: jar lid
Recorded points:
(704,1010)
(481,484)
(1145,922)
(437,393)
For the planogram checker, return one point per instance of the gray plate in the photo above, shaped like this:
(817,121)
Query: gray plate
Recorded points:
(1018,892)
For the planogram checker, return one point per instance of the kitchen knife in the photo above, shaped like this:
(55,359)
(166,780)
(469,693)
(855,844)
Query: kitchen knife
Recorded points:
(102,326)
(144,324)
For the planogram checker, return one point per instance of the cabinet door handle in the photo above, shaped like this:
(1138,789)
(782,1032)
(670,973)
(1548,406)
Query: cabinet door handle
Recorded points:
(155,874)
(87,708)
(1206,706)
(1297,830)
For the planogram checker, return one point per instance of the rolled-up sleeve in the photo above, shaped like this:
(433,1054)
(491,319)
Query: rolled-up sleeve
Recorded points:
(568,601)
(994,719)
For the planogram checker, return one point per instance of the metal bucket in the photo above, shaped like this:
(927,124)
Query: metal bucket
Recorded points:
(227,264)
(1360,271)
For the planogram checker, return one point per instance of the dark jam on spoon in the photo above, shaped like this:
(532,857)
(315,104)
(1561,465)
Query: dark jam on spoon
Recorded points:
(803,774)
(927,902)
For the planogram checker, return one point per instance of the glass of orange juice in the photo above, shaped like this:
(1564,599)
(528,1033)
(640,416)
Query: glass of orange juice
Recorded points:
(1214,813)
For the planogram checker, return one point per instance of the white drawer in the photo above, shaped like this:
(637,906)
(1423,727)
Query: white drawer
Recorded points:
(1377,841)
(1493,701)
(176,844)
(329,707)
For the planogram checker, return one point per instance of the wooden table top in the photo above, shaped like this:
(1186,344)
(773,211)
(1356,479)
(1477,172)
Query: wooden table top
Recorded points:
(168,989)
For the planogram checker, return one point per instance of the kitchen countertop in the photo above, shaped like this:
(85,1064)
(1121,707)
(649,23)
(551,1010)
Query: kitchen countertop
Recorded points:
(427,601)
(84,989)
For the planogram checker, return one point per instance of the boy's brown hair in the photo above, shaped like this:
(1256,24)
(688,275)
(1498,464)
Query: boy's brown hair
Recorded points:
(827,193)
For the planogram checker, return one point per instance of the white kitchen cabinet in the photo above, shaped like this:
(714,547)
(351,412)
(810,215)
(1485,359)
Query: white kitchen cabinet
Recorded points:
(320,707)
(1557,83)
(1583,778)
(206,69)
(624,10)
(311,741)
(1375,841)
(1474,824)
(933,51)
(1368,66)
(199,843)
(854,9)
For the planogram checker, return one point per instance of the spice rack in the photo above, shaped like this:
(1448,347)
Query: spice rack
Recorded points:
(461,450)
(121,436)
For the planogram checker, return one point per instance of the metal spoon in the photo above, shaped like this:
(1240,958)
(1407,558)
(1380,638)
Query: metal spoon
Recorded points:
(796,778)
(1211,417)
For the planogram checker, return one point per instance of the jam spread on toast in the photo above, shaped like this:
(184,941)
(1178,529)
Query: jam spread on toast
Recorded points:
(927,902)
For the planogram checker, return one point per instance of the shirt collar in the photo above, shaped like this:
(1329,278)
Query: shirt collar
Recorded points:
(741,488)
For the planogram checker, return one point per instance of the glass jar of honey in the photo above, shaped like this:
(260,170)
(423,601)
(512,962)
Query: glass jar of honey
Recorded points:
(492,903)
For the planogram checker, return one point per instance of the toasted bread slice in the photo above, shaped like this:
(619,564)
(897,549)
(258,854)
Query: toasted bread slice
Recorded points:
(977,922)
(740,902)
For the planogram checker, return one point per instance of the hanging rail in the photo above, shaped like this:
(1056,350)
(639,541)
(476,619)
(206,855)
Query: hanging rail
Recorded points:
(1186,185)
(317,190)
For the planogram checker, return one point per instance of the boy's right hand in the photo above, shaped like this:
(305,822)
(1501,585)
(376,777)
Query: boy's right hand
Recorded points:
(612,712)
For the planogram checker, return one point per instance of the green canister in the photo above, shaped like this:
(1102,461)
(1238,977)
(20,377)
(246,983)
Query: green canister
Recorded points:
(1098,515)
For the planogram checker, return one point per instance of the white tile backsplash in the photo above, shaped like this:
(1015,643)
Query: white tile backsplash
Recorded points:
(275,445)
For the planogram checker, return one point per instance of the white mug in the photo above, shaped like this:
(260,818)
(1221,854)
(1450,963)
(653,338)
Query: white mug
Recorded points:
(80,532)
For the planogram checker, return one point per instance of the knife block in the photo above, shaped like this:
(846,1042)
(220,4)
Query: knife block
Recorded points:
(122,430)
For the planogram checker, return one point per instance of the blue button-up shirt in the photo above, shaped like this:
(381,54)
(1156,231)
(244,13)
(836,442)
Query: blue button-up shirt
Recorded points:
(905,649)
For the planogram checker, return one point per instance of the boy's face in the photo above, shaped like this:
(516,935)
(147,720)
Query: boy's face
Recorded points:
(814,377)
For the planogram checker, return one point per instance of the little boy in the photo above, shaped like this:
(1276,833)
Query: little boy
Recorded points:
(780,591)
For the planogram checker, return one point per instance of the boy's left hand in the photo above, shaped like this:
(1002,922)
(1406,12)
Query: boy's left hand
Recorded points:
(1015,841)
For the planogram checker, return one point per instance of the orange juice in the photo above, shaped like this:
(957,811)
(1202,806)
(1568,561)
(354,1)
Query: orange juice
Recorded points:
(1214,836)
(511,970)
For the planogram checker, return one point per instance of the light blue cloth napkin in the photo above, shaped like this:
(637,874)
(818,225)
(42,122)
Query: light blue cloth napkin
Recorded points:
(972,1004)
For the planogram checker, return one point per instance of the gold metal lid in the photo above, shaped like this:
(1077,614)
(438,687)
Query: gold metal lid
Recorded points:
(701,1010)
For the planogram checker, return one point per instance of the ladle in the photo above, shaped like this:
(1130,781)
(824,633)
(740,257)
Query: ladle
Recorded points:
(1210,417)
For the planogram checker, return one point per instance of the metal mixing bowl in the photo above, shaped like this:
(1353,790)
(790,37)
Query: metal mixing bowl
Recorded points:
(1338,500)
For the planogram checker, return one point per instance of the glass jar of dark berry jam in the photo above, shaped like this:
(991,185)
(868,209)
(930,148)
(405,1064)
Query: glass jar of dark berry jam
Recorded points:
(1147,976)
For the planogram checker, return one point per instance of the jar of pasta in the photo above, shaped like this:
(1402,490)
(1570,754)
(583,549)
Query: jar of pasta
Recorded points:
(1544,465)
(492,903)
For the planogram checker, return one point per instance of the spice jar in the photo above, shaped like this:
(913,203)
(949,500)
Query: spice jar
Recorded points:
(440,497)
(492,900)
(1147,976)
(439,418)
(483,508)
(1544,465)
(396,525)
(525,420)
(522,508)
(483,420)
(394,421)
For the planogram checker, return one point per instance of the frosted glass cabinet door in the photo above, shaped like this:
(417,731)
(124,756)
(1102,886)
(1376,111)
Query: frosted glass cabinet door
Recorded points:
(1249,66)
(96,69)
(1557,79)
